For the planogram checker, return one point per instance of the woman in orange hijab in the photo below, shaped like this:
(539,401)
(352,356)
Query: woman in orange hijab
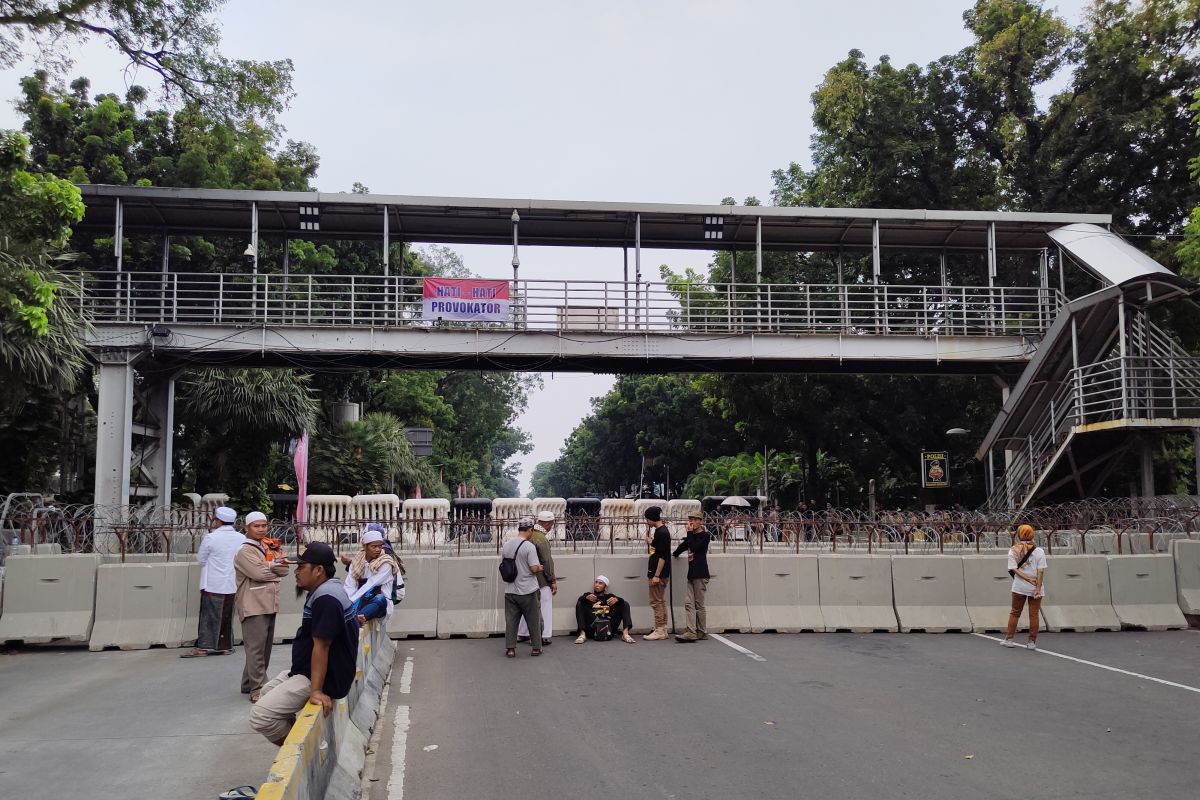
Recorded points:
(1027,565)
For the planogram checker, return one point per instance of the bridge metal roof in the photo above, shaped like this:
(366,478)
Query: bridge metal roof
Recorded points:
(456,220)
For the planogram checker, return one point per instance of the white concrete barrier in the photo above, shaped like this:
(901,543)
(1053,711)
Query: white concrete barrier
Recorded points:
(326,514)
(678,509)
(575,575)
(616,520)
(1079,594)
(556,506)
(141,605)
(725,600)
(470,597)
(783,593)
(1187,575)
(418,614)
(48,598)
(426,520)
(507,510)
(929,594)
(382,508)
(988,589)
(856,592)
(1143,592)
(212,501)
(627,579)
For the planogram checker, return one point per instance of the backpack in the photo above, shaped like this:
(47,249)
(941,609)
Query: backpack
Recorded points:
(508,566)
(398,583)
(601,624)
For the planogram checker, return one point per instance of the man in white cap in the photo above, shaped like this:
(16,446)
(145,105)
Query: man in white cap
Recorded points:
(370,577)
(599,612)
(218,582)
(260,563)
(547,583)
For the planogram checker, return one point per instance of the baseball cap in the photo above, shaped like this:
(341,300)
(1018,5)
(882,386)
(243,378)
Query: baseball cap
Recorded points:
(317,553)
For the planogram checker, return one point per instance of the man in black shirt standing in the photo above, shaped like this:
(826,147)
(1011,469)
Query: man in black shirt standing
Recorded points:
(323,653)
(658,542)
(695,543)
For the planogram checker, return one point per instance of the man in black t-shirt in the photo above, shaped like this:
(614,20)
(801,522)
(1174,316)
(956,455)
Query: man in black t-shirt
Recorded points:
(658,542)
(695,544)
(323,653)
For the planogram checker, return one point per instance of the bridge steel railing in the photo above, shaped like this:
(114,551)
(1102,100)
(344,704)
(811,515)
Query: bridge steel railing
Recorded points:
(596,306)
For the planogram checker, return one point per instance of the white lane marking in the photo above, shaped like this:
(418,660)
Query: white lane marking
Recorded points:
(395,784)
(738,647)
(1102,666)
(406,676)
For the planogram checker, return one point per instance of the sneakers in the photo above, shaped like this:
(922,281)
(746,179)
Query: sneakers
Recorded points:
(1009,643)
(656,635)
(1031,646)
(687,637)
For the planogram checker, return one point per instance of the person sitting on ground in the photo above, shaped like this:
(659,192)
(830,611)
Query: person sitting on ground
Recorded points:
(323,652)
(596,611)
(371,575)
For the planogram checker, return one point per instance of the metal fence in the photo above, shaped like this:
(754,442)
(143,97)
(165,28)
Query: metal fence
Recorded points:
(598,306)
(1117,526)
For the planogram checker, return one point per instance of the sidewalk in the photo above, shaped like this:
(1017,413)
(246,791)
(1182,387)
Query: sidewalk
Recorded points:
(115,725)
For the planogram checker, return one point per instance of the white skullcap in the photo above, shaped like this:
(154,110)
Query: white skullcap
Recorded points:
(255,516)
(603,579)
(370,537)
(225,514)
(524,523)
(545,516)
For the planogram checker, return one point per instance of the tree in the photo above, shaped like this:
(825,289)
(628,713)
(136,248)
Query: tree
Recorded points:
(231,422)
(176,40)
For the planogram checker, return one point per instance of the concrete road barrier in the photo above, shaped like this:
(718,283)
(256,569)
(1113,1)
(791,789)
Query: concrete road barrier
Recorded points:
(988,589)
(783,593)
(49,598)
(417,616)
(627,576)
(1079,594)
(1143,592)
(322,757)
(1187,577)
(291,608)
(470,597)
(929,594)
(575,575)
(725,599)
(140,605)
(856,592)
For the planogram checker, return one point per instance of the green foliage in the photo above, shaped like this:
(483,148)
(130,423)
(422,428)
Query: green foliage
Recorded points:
(1188,251)
(177,40)
(368,456)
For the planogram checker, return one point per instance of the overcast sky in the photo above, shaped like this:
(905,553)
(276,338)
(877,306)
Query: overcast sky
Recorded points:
(666,101)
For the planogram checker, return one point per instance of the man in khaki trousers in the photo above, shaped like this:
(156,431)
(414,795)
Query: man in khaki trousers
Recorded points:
(259,564)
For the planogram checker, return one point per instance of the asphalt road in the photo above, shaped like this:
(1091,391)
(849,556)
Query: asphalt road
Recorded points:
(116,725)
(821,716)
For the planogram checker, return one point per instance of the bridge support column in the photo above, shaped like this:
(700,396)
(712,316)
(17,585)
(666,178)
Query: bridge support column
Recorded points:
(114,438)
(1146,450)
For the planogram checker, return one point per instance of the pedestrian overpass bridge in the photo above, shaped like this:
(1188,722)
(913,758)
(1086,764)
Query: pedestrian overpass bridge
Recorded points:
(875,290)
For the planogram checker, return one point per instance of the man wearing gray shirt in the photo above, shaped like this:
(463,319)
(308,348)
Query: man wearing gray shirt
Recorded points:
(521,594)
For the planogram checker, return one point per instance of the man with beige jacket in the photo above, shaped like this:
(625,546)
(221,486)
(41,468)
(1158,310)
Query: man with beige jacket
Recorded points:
(260,563)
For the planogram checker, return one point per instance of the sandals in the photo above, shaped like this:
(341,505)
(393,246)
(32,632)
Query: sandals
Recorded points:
(510,652)
(625,637)
(535,652)
(239,793)
(195,653)
(582,638)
